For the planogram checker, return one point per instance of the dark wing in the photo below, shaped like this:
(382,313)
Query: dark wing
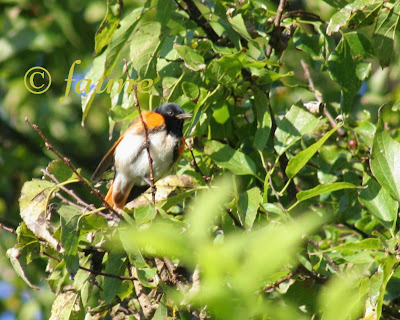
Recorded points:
(106,161)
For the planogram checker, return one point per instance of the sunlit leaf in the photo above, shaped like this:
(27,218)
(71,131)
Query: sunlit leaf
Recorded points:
(230,159)
(385,157)
(108,25)
(296,123)
(322,188)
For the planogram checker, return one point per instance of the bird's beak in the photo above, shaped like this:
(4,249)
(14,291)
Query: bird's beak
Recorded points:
(184,116)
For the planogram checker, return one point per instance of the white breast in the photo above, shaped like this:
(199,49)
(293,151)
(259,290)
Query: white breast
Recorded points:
(131,158)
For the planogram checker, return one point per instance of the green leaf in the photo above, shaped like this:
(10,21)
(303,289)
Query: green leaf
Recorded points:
(239,26)
(233,160)
(340,298)
(145,214)
(360,45)
(299,160)
(145,47)
(116,265)
(120,37)
(108,25)
(384,32)
(224,70)
(60,170)
(377,200)
(248,204)
(309,43)
(191,90)
(307,194)
(67,306)
(295,124)
(264,122)
(193,60)
(343,70)
(377,288)
(14,254)
(70,236)
(341,17)
(384,161)
(33,203)
(95,73)
(366,244)
(207,207)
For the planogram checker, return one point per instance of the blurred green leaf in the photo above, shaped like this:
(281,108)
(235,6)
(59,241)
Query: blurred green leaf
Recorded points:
(340,299)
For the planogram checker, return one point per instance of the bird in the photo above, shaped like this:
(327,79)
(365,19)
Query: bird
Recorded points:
(129,154)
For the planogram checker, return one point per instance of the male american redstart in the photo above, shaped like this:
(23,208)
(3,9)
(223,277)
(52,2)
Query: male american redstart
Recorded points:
(131,163)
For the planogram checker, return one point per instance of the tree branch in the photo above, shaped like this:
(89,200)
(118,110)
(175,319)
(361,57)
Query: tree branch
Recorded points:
(318,96)
(146,137)
(68,163)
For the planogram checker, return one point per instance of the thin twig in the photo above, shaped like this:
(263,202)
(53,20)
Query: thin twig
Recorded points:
(65,200)
(68,163)
(235,220)
(196,166)
(277,22)
(9,229)
(327,258)
(78,200)
(146,136)
(97,273)
(278,282)
(318,96)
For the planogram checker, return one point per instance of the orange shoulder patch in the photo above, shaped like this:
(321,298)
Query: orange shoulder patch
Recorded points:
(153,121)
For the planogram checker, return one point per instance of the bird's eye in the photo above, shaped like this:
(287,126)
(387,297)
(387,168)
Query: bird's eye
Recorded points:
(170,113)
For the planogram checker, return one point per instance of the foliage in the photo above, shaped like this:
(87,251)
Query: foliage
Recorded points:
(290,209)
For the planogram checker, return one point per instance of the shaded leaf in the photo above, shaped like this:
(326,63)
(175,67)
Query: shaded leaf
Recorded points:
(116,265)
(384,32)
(248,204)
(264,122)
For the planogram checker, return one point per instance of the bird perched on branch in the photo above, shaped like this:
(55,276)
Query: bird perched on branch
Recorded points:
(129,153)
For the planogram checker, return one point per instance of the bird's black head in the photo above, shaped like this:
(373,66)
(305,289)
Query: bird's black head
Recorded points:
(174,117)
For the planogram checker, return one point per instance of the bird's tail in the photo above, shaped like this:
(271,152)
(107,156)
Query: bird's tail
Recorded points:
(109,196)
